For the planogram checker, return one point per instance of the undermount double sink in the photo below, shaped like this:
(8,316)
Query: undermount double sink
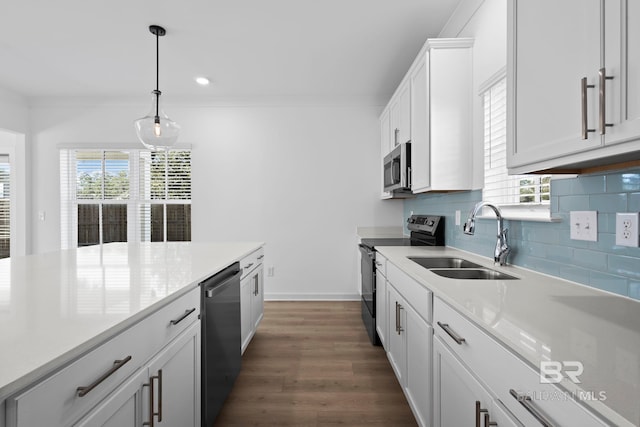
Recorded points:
(458,268)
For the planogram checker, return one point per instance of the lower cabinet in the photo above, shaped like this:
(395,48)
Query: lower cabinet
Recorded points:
(459,399)
(154,364)
(470,366)
(409,351)
(166,391)
(251,296)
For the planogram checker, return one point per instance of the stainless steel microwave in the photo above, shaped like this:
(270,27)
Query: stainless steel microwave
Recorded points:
(397,168)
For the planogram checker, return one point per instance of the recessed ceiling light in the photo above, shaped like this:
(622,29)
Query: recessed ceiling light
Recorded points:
(203,81)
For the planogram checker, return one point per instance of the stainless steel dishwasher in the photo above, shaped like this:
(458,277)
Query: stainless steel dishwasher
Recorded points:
(221,339)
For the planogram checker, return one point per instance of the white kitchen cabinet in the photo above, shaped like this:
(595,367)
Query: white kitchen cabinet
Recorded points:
(251,295)
(465,356)
(409,340)
(561,114)
(124,407)
(95,379)
(400,114)
(381,300)
(175,373)
(441,116)
(385,147)
(459,398)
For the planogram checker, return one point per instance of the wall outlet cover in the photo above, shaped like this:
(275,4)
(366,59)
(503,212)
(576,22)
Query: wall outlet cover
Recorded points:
(627,229)
(584,225)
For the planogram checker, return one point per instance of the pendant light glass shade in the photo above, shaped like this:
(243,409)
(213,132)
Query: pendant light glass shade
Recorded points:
(156,130)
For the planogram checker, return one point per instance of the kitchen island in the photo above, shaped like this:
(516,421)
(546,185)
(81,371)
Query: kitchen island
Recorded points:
(58,307)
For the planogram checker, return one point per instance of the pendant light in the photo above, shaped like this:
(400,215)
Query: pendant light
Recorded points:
(156,130)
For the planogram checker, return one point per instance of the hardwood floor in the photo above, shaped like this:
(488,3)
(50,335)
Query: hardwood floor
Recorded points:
(311,364)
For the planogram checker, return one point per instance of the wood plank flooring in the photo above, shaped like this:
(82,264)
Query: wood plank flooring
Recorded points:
(311,364)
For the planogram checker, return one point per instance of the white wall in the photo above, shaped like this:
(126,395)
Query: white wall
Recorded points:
(299,177)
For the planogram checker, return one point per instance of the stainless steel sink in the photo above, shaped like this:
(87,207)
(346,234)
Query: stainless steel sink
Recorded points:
(444,262)
(473,274)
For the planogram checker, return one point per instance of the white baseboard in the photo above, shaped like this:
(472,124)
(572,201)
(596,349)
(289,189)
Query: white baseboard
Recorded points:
(311,297)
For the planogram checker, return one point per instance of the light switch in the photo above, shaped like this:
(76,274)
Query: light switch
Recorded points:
(584,225)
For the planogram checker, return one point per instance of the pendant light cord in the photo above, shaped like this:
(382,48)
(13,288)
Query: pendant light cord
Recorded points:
(157,92)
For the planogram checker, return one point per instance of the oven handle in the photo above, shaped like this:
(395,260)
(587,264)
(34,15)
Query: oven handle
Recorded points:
(366,251)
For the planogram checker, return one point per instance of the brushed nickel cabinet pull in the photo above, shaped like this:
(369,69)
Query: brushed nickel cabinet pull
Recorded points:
(400,307)
(152,392)
(256,291)
(117,364)
(479,411)
(260,257)
(396,132)
(457,338)
(181,318)
(602,74)
(487,420)
(249,265)
(583,90)
(397,319)
(526,402)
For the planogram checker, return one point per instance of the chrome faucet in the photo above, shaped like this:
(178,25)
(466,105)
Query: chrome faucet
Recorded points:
(502,249)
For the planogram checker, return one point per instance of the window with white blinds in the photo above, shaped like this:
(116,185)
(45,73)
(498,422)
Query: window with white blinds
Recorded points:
(124,195)
(5,206)
(514,191)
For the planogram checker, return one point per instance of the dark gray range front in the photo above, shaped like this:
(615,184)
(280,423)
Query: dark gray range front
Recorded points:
(426,230)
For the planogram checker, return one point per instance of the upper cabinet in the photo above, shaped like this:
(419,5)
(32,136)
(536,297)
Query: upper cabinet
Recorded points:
(573,87)
(432,109)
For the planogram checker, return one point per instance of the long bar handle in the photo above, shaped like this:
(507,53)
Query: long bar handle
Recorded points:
(397,319)
(256,289)
(152,413)
(457,338)
(585,116)
(479,411)
(400,308)
(526,402)
(181,318)
(117,364)
(602,74)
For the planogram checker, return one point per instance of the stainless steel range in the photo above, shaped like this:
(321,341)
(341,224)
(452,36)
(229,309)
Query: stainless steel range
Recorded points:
(426,230)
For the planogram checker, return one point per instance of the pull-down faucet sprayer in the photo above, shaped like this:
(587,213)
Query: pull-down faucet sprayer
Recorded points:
(502,249)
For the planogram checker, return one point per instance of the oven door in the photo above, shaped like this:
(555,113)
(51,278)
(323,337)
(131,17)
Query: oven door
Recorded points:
(367,265)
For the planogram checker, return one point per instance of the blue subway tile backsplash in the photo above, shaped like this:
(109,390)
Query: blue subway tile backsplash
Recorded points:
(545,246)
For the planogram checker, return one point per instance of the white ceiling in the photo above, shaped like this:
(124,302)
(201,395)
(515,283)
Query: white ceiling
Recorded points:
(246,47)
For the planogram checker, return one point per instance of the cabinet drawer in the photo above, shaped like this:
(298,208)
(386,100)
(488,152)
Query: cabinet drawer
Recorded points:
(251,261)
(56,400)
(503,371)
(416,295)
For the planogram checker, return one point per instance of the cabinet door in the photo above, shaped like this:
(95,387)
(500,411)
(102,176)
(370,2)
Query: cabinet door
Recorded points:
(400,115)
(455,390)
(419,338)
(246,296)
(397,315)
(420,148)
(385,147)
(545,72)
(381,308)
(176,375)
(123,407)
(622,63)
(257,302)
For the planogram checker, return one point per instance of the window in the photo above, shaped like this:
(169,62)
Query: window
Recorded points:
(124,195)
(5,207)
(517,195)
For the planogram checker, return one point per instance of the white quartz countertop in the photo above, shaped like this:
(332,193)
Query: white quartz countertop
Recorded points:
(540,317)
(57,306)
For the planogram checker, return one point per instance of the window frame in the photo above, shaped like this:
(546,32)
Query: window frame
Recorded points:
(70,202)
(528,211)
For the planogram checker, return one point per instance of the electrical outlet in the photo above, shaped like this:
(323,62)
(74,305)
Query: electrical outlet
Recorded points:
(627,229)
(584,225)
(271,271)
